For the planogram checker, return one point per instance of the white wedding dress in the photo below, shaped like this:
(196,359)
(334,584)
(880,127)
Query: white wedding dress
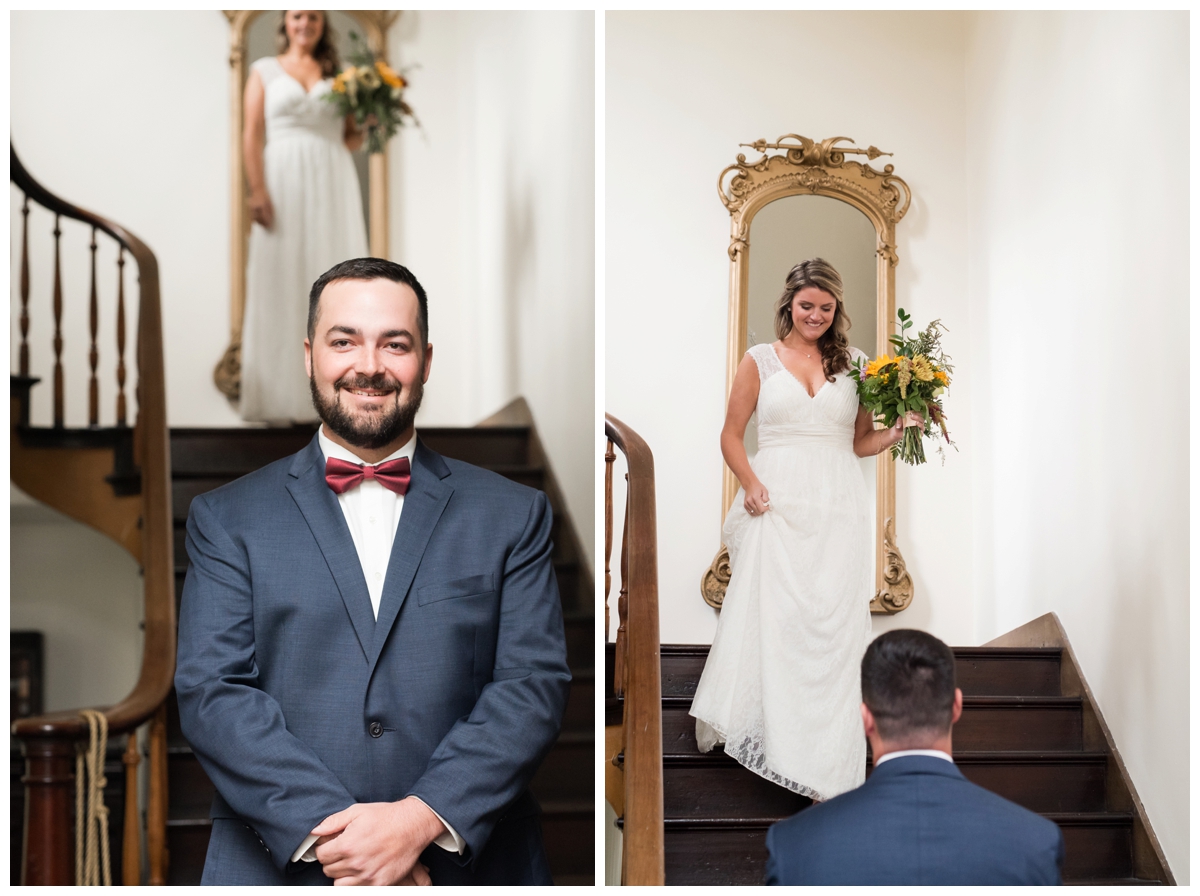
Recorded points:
(781,685)
(314,189)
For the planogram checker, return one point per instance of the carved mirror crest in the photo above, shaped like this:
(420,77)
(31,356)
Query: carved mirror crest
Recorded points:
(805,199)
(251,34)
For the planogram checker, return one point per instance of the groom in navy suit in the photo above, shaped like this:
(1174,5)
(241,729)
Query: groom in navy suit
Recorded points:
(371,652)
(917,820)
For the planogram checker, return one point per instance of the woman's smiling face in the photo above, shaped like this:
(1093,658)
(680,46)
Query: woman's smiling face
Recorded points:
(813,311)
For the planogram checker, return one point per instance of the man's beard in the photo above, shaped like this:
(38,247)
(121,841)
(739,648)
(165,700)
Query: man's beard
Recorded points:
(376,430)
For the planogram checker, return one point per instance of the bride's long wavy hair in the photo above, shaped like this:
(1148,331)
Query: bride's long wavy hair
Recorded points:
(325,52)
(834,346)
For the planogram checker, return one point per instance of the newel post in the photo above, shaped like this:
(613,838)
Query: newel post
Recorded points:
(48,854)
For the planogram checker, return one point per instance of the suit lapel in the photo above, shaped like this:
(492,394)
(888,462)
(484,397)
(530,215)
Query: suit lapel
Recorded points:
(423,505)
(324,516)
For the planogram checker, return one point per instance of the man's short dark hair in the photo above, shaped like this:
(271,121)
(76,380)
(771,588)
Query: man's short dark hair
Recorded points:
(908,683)
(369,269)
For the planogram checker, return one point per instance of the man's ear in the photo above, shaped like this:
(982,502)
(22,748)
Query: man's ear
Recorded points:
(428,362)
(308,357)
(868,721)
(957,713)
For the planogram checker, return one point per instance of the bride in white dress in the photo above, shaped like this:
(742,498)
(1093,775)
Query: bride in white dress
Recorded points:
(781,685)
(307,210)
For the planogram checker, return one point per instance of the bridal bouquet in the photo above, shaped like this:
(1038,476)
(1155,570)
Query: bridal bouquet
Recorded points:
(911,381)
(373,92)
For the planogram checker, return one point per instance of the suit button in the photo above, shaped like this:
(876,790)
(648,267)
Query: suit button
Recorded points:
(376,729)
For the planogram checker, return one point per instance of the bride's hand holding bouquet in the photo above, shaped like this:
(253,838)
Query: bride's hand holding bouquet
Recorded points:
(903,391)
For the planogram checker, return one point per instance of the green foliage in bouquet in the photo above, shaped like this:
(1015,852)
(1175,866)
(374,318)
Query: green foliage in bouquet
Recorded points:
(373,92)
(910,381)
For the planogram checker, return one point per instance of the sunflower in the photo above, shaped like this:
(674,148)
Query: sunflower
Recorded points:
(922,369)
(873,367)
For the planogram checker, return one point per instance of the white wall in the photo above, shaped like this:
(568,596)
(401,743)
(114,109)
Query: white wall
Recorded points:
(493,202)
(1078,147)
(680,96)
(90,623)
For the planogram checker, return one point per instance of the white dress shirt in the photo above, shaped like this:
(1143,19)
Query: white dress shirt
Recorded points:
(372,514)
(896,755)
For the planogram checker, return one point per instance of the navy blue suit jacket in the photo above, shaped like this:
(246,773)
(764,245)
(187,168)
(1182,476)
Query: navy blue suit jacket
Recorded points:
(298,702)
(917,822)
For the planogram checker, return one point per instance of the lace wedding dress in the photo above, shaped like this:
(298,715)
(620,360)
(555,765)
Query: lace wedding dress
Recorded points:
(314,189)
(781,685)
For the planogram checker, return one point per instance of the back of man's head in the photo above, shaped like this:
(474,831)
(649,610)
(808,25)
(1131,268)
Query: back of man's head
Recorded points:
(908,684)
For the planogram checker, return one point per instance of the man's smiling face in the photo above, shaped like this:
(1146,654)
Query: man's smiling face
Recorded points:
(366,362)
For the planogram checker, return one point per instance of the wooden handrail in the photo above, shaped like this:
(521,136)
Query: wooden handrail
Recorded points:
(637,661)
(152,450)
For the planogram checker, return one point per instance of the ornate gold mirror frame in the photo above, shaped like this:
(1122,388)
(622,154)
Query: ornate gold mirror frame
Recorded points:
(375,24)
(805,167)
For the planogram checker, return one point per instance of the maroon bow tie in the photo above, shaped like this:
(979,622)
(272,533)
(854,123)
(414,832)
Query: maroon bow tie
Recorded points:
(341,475)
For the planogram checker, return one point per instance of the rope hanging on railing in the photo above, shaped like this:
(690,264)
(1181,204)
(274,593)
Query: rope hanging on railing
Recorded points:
(92,866)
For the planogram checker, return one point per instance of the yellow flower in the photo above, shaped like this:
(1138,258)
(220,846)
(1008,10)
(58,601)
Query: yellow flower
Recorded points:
(388,74)
(339,83)
(922,369)
(941,376)
(873,367)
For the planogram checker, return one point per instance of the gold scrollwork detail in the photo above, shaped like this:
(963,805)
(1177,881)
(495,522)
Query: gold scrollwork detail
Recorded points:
(823,167)
(716,579)
(897,590)
(887,252)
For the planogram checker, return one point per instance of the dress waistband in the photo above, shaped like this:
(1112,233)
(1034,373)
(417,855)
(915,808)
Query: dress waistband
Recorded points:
(804,435)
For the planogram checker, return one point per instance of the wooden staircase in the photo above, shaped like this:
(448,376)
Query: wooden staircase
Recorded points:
(204,459)
(1022,735)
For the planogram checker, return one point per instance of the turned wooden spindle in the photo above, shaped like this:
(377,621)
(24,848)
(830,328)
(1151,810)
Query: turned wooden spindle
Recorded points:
(58,341)
(609,457)
(131,848)
(622,599)
(121,337)
(25,287)
(93,355)
(156,801)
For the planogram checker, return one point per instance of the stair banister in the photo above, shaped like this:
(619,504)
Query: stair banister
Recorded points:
(49,740)
(637,663)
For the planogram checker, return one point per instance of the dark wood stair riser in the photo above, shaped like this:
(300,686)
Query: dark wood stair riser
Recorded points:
(729,856)
(188,787)
(1098,849)
(581,703)
(569,836)
(723,789)
(1013,673)
(187,845)
(1021,726)
(1043,787)
(700,790)
(738,854)
(980,728)
(565,774)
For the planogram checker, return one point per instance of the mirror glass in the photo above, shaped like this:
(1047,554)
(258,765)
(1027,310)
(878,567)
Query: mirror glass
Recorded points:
(261,40)
(786,232)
